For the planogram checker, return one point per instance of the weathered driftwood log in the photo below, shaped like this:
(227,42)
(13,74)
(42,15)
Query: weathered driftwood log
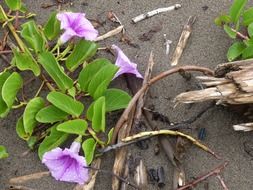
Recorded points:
(232,84)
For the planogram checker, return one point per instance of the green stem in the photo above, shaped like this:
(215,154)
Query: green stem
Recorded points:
(65,52)
(93,134)
(17,38)
(40,88)
(19,105)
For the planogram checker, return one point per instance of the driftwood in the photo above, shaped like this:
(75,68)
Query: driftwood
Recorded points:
(231,84)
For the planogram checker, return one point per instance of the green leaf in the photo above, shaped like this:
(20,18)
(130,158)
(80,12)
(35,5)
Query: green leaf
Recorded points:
(82,52)
(116,99)
(250,30)
(11,87)
(52,27)
(3,106)
(235,50)
(77,126)
(109,136)
(101,80)
(3,152)
(50,64)
(65,103)
(33,36)
(230,32)
(55,139)
(24,61)
(32,108)
(236,9)
(14,5)
(221,20)
(98,117)
(248,16)
(248,52)
(51,114)
(89,71)
(21,130)
(89,146)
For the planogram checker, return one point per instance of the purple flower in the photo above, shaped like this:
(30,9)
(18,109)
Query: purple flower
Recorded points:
(75,24)
(124,64)
(67,165)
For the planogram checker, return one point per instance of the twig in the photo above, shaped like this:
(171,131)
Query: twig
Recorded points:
(155,12)
(170,132)
(222,182)
(240,35)
(199,179)
(110,33)
(25,178)
(167,43)
(183,41)
(124,117)
(5,52)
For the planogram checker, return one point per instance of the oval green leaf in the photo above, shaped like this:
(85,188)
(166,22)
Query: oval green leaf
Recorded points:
(3,152)
(248,16)
(82,52)
(65,103)
(33,36)
(230,32)
(89,72)
(250,30)
(236,9)
(89,146)
(77,126)
(98,117)
(116,99)
(52,27)
(24,61)
(101,80)
(51,114)
(32,108)
(14,5)
(248,52)
(21,130)
(55,139)
(235,50)
(3,106)
(50,64)
(11,87)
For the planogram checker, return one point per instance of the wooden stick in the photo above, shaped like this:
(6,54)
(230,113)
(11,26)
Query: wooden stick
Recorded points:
(19,187)
(155,12)
(199,179)
(110,33)
(170,132)
(124,117)
(183,41)
(25,178)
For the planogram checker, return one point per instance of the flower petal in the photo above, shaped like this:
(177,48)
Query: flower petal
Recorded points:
(66,36)
(75,173)
(124,64)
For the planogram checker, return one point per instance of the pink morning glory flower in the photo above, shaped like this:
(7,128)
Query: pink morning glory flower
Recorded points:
(124,64)
(67,165)
(75,24)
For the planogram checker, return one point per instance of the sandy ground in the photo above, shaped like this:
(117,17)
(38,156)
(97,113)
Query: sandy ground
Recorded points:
(207,47)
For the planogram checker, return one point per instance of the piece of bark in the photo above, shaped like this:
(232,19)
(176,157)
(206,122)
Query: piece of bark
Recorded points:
(233,84)
(141,176)
(186,33)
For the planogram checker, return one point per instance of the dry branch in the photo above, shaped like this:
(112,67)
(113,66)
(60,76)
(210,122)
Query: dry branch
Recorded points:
(183,41)
(110,33)
(26,178)
(155,12)
(199,179)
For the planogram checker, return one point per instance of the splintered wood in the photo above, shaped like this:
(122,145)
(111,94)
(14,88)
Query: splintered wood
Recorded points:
(232,84)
